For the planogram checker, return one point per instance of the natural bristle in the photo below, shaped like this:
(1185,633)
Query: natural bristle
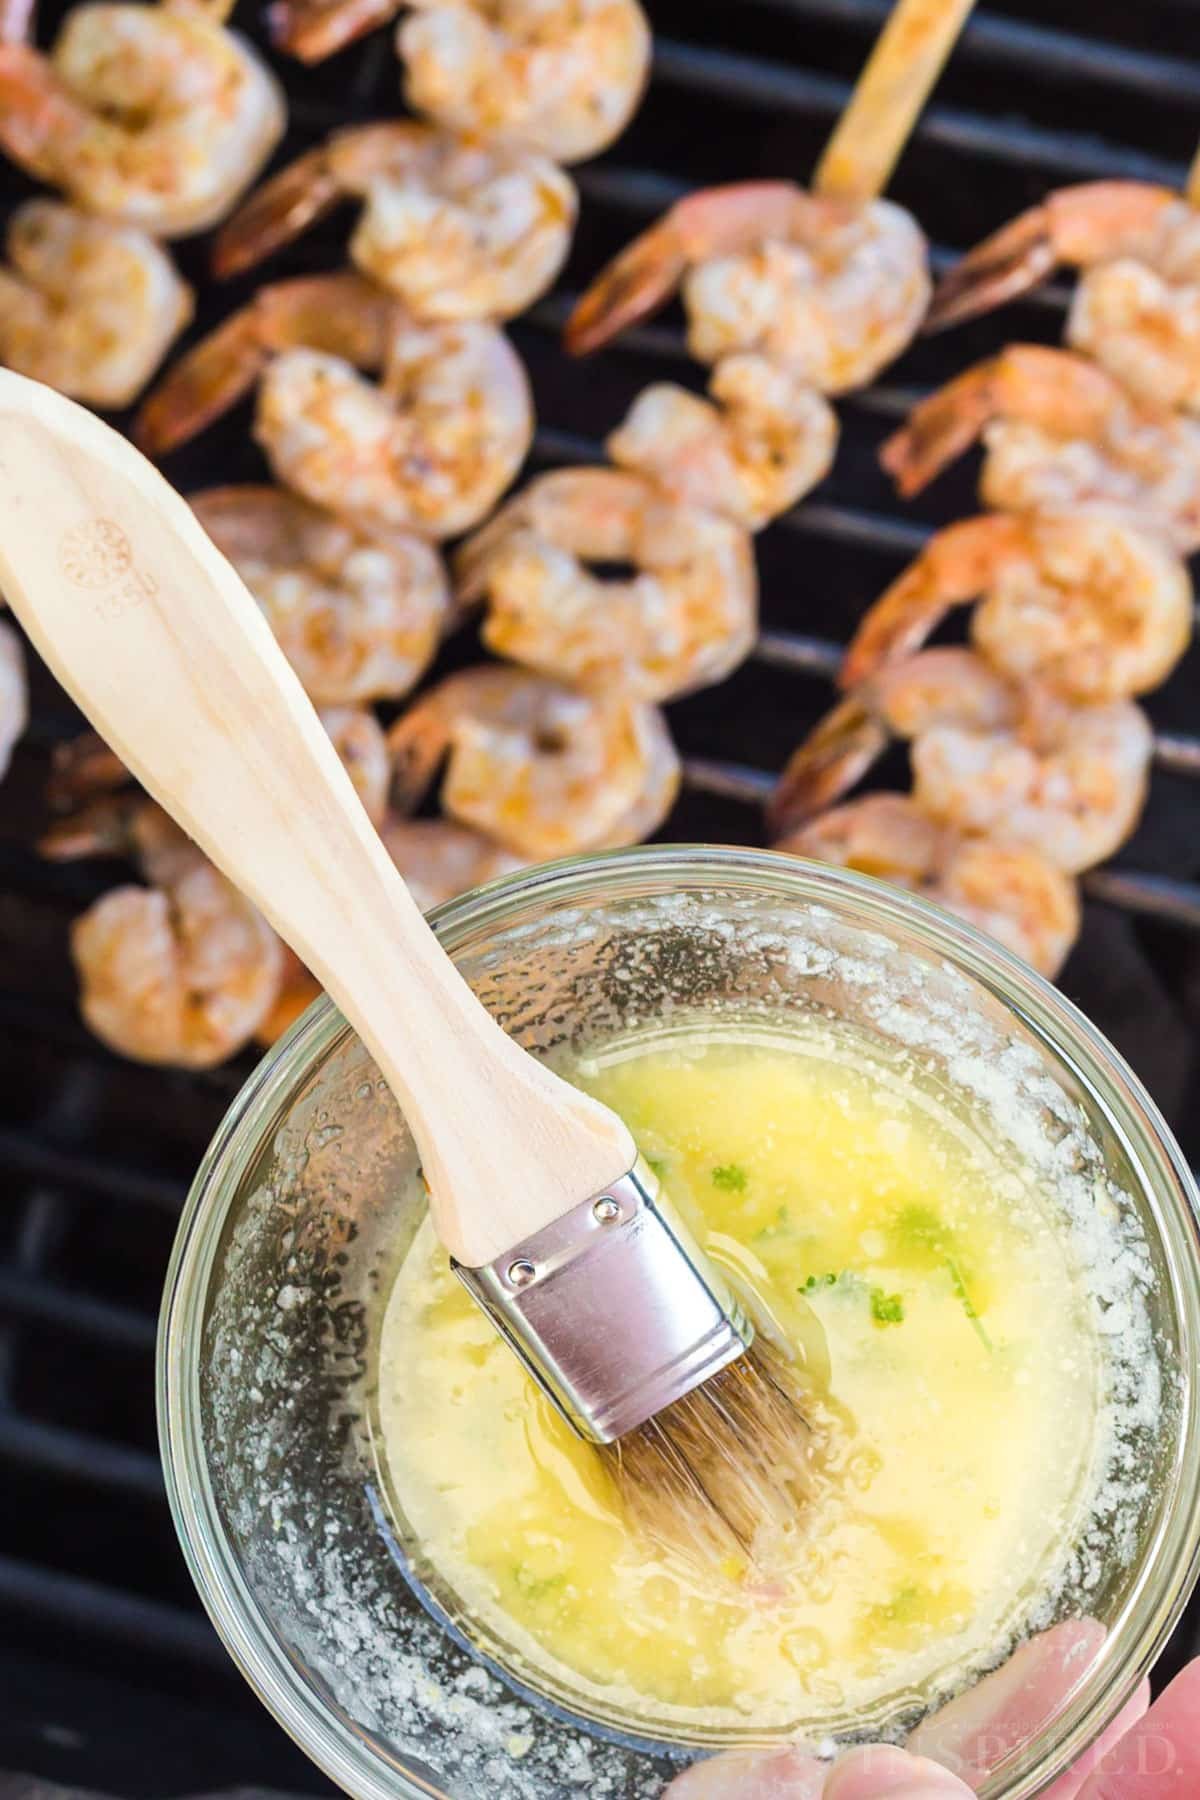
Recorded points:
(722,1468)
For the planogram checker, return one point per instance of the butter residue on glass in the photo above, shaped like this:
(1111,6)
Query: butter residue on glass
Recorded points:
(939,1289)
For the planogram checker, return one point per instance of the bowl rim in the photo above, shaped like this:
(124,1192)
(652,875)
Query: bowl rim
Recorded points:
(362,1765)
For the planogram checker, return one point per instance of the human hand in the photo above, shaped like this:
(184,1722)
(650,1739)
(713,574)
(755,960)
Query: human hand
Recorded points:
(1148,1753)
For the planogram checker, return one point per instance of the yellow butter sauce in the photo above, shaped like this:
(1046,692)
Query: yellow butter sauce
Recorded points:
(952,1372)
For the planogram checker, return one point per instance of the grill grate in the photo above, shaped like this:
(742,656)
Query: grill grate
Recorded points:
(96,1154)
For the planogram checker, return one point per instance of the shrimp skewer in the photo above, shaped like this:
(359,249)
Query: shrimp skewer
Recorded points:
(183,971)
(429,450)
(686,618)
(541,768)
(1059,434)
(560,76)
(1004,889)
(989,757)
(358,614)
(454,228)
(153,116)
(88,307)
(1095,607)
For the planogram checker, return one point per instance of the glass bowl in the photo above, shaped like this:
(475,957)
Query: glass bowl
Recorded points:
(293,1230)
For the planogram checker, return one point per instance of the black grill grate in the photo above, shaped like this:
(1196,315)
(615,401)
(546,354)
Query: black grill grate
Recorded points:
(96,1154)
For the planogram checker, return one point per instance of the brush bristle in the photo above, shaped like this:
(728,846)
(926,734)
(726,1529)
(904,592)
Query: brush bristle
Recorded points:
(713,1474)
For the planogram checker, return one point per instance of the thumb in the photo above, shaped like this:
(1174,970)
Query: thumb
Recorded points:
(879,1772)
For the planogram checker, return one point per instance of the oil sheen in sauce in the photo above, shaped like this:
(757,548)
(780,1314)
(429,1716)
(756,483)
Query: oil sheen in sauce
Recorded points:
(952,1371)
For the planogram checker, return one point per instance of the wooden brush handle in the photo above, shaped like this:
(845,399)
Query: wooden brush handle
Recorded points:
(153,634)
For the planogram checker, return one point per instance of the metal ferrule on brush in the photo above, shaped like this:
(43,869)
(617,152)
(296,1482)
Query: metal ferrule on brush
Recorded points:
(614,1309)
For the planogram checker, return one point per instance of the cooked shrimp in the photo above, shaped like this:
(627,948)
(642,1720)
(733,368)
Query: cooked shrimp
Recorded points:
(439,859)
(1060,434)
(1007,890)
(1137,308)
(456,229)
(989,757)
(87,307)
(1095,607)
(181,972)
(358,614)
(148,115)
(431,449)
(828,290)
(14,694)
(297,991)
(766,441)
(541,768)
(359,740)
(684,620)
(561,76)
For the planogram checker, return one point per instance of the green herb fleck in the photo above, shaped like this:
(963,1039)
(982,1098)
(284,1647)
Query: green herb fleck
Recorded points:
(534,1587)
(778,1227)
(659,1165)
(886,1309)
(819,1281)
(968,1305)
(730,1178)
(921,1228)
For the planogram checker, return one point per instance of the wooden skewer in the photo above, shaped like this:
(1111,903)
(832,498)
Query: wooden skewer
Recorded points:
(908,57)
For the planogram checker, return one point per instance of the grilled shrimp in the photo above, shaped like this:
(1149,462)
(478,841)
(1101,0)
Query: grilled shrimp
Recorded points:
(456,229)
(560,76)
(828,290)
(430,449)
(1136,308)
(87,307)
(153,116)
(359,740)
(990,757)
(684,620)
(1060,434)
(1004,889)
(1095,607)
(439,859)
(540,768)
(358,614)
(183,971)
(764,439)
(14,694)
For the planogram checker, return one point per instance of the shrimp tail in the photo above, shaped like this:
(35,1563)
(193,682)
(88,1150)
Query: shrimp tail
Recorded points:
(1013,261)
(40,119)
(833,759)
(954,569)
(279,212)
(940,429)
(635,285)
(203,385)
(81,768)
(417,743)
(315,29)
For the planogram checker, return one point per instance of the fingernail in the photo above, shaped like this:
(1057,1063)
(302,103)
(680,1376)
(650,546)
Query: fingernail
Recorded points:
(880,1773)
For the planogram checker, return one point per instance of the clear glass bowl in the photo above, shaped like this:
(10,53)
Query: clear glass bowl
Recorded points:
(292,1232)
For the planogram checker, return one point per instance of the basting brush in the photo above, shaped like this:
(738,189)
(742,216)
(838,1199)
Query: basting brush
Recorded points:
(554,1223)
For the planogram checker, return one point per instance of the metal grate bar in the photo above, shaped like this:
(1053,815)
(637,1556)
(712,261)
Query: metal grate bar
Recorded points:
(1012,43)
(25,1155)
(91,1461)
(111,1613)
(1067,155)
(25,1297)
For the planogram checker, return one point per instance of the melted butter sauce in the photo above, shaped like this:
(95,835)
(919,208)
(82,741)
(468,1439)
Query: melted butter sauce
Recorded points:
(952,1372)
